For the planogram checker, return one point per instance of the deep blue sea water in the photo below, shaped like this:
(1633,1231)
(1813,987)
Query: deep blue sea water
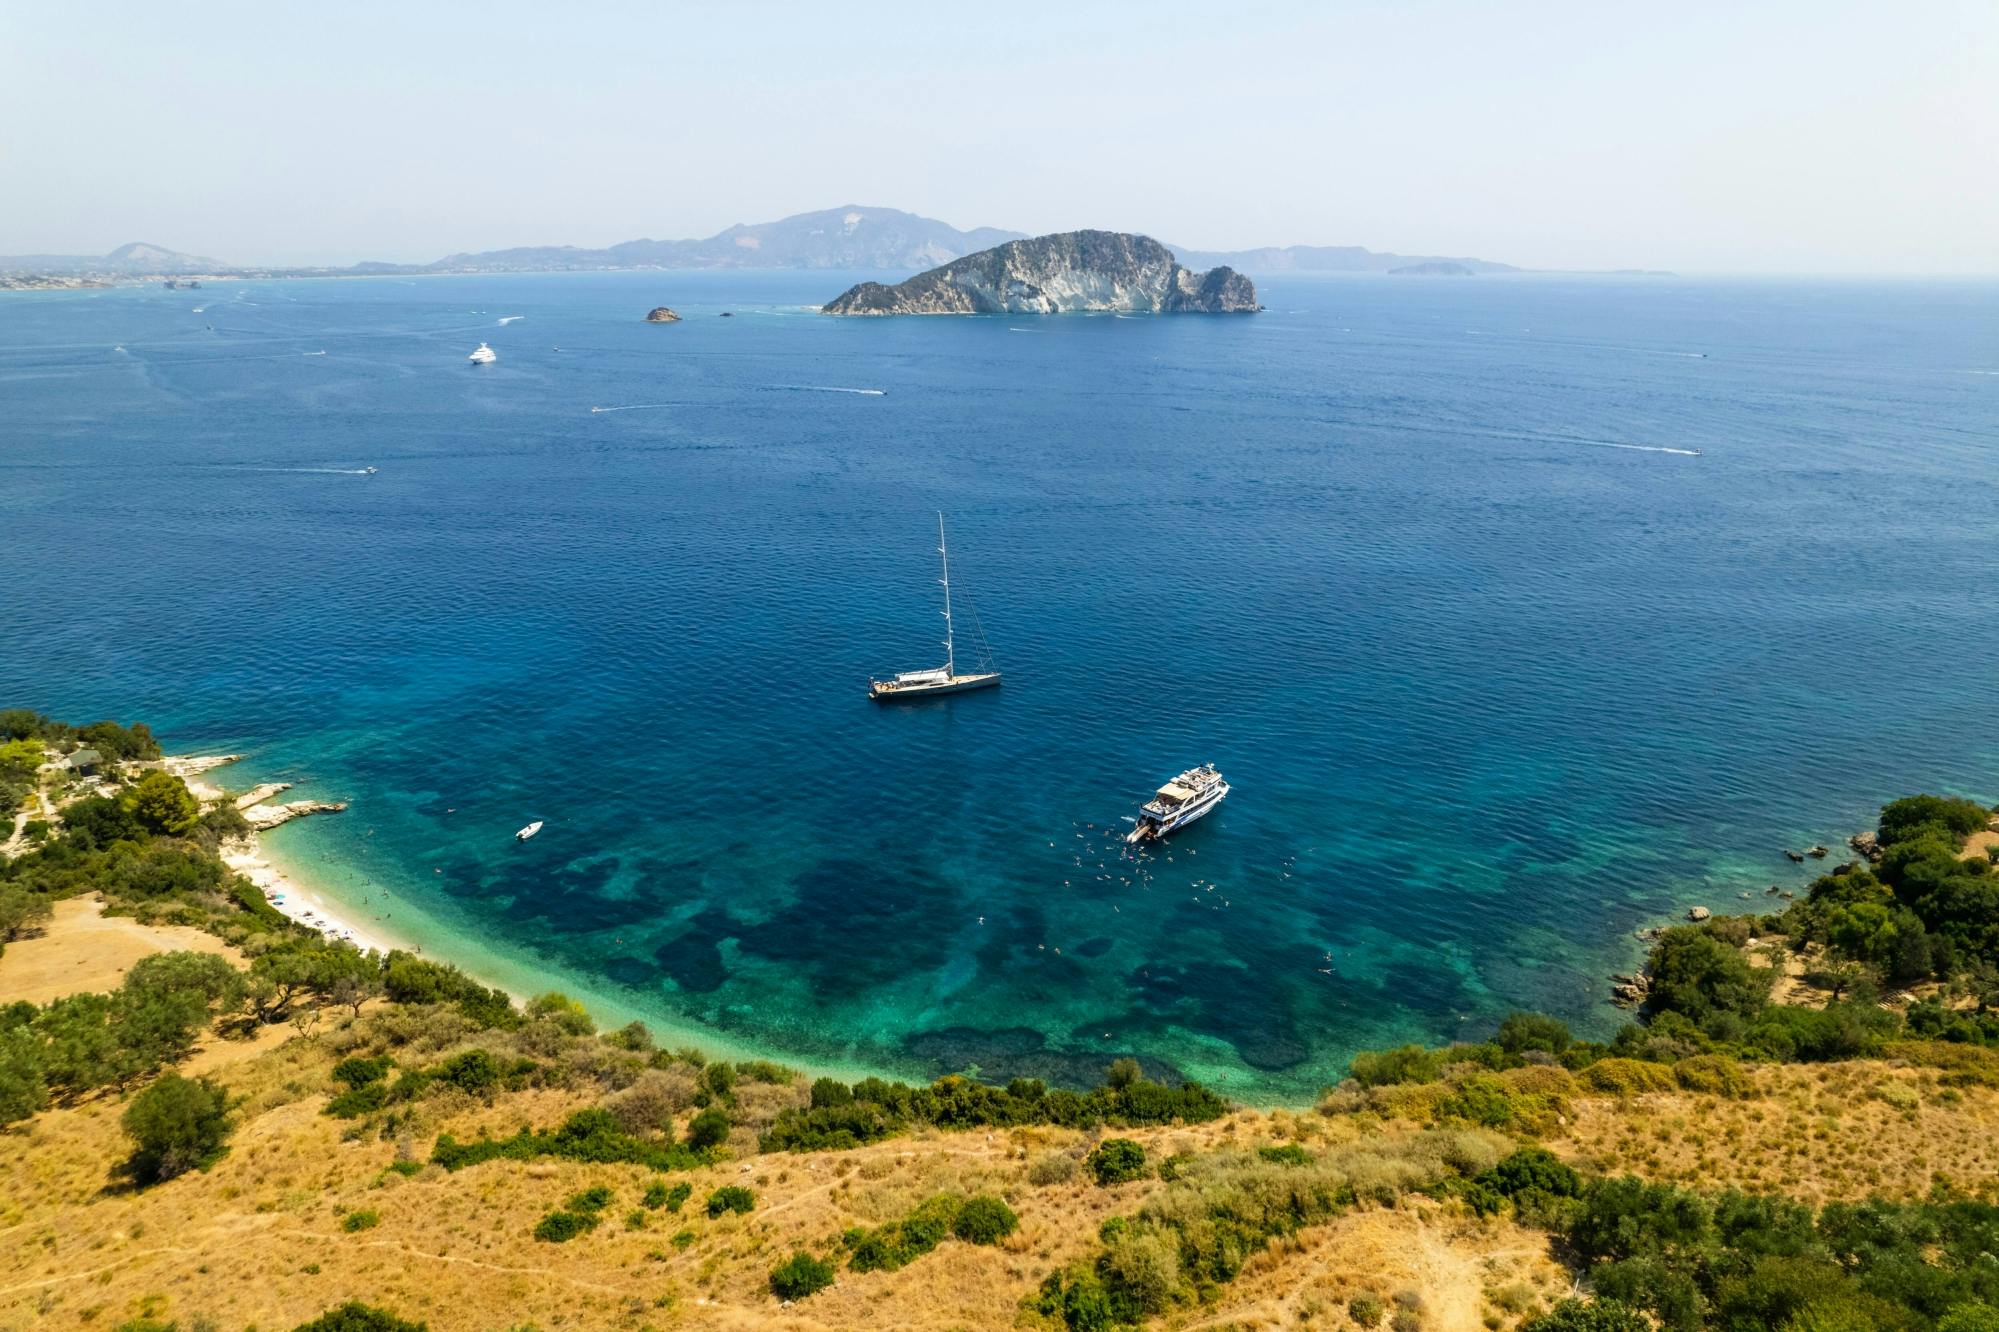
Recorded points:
(1497,671)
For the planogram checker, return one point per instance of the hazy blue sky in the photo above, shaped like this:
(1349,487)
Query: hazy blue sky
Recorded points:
(1812,136)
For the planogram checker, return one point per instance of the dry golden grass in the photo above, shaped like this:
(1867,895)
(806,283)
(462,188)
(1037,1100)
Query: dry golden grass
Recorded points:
(83,949)
(1459,1270)
(257,1240)
(1817,1132)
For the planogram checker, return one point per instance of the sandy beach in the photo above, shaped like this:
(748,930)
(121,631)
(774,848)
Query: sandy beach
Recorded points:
(245,855)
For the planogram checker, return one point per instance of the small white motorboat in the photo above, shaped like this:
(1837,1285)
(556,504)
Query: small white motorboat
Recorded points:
(528,831)
(484,356)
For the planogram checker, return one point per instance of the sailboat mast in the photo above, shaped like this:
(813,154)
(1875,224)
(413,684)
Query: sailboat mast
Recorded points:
(950,665)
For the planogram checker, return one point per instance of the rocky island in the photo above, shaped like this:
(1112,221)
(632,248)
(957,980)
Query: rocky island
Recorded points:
(659,314)
(1058,274)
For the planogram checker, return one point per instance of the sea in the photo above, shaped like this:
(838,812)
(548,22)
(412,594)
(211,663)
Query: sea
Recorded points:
(1521,613)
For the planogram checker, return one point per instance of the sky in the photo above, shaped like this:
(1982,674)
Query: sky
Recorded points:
(1788,136)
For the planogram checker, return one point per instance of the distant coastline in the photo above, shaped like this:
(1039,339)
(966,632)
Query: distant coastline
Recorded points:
(851,238)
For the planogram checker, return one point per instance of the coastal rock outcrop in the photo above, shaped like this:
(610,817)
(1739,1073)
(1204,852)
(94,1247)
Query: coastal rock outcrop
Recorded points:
(1069,271)
(264,817)
(659,314)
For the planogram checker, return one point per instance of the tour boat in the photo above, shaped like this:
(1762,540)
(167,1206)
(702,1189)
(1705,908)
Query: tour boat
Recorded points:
(943,679)
(528,831)
(484,356)
(1179,802)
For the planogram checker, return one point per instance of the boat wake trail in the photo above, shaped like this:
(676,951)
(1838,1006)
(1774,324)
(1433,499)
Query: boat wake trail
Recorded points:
(508,319)
(638,407)
(1638,448)
(829,388)
(321,471)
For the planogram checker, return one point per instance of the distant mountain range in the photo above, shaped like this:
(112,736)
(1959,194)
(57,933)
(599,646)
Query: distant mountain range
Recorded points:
(853,237)
(135,260)
(850,237)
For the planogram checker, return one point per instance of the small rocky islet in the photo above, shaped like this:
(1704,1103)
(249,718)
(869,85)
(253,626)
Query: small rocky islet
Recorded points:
(660,314)
(1069,272)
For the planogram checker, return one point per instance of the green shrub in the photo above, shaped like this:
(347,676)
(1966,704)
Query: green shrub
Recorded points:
(1626,1077)
(1116,1161)
(1597,1316)
(710,1128)
(984,1219)
(1367,1309)
(559,1227)
(471,1071)
(362,1220)
(1916,816)
(564,1012)
(355,1316)
(591,1200)
(588,1135)
(658,1195)
(1717,1075)
(1483,1199)
(1289,1153)
(1973,1317)
(358,1101)
(359,1072)
(683,1238)
(730,1198)
(1481,1099)
(799,1276)
(886,1248)
(846,1116)
(1405,1063)
(1533,1170)
(1521,1032)
(176,1125)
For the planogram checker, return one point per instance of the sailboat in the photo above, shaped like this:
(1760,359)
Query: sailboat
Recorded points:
(944,679)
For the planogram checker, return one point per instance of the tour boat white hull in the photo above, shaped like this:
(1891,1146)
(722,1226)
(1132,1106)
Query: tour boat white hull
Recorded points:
(1179,805)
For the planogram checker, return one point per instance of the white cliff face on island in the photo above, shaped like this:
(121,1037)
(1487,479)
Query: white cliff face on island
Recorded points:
(1070,271)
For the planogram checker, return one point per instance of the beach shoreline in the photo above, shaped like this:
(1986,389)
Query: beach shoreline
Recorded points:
(309,900)
(298,901)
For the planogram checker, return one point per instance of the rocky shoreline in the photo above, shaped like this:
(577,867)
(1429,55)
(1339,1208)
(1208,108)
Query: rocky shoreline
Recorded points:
(245,854)
(1631,989)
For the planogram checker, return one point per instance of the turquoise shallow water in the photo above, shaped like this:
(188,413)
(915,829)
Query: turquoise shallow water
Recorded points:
(1496,674)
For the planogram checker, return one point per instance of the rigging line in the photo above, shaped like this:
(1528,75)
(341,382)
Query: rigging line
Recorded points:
(978,629)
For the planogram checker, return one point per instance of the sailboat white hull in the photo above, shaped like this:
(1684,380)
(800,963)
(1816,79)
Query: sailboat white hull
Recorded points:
(944,679)
(889,691)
